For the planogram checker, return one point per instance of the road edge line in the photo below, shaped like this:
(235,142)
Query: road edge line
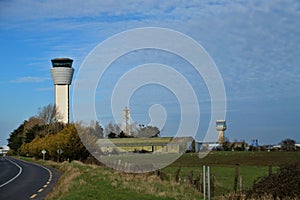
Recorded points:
(19,173)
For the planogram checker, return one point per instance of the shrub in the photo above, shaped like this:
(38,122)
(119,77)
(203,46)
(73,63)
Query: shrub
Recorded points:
(283,185)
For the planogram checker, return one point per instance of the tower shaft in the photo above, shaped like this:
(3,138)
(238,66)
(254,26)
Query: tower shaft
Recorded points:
(61,97)
(126,121)
(221,137)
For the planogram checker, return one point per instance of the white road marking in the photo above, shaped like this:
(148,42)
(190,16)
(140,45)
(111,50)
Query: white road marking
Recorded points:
(33,196)
(20,171)
(47,183)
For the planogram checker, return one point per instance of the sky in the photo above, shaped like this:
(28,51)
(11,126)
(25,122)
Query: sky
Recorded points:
(254,44)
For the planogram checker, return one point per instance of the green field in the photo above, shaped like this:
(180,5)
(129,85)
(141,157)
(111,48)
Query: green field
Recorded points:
(81,181)
(252,165)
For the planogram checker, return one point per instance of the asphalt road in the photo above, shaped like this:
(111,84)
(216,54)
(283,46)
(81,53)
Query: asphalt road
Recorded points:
(23,180)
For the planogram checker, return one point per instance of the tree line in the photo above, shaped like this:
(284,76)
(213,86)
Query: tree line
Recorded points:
(44,132)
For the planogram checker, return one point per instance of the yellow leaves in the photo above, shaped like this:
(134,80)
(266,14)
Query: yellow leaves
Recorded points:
(67,140)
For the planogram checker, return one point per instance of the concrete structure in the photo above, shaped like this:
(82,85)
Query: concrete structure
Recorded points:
(62,74)
(126,121)
(221,127)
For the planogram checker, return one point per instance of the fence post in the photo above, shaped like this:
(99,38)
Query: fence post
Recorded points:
(208,182)
(201,182)
(236,175)
(178,174)
(212,185)
(241,184)
(270,170)
(204,182)
(197,183)
(191,177)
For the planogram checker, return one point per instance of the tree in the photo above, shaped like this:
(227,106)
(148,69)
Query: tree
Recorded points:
(112,130)
(288,144)
(48,114)
(226,145)
(67,140)
(96,129)
(16,138)
(44,123)
(123,135)
(88,138)
(32,133)
(112,135)
(33,121)
(148,131)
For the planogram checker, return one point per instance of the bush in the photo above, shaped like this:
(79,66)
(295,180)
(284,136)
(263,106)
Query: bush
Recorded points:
(283,185)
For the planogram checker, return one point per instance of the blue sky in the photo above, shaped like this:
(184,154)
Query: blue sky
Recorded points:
(255,45)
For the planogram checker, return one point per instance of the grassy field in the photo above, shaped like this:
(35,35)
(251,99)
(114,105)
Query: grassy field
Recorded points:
(240,157)
(81,181)
(252,165)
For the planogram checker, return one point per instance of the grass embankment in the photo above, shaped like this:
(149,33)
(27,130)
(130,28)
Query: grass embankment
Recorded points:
(81,181)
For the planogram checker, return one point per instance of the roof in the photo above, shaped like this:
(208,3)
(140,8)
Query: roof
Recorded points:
(157,141)
(5,147)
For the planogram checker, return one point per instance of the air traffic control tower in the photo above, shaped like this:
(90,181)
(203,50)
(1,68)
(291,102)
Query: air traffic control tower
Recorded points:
(62,74)
(221,127)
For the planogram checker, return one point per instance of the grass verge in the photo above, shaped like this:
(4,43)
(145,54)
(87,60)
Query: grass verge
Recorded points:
(82,181)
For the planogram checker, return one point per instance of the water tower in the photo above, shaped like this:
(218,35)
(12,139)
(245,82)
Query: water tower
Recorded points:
(221,127)
(62,74)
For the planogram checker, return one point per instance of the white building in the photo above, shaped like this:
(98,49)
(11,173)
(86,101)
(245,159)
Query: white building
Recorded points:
(4,149)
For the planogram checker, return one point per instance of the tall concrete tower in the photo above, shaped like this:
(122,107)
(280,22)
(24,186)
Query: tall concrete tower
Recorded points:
(62,73)
(126,121)
(221,127)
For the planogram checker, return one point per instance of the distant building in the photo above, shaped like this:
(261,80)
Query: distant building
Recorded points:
(203,146)
(154,145)
(239,146)
(4,150)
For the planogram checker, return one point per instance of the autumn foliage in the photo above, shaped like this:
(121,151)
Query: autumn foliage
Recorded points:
(45,132)
(67,140)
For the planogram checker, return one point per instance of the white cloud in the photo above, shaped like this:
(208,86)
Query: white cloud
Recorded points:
(30,79)
(45,89)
